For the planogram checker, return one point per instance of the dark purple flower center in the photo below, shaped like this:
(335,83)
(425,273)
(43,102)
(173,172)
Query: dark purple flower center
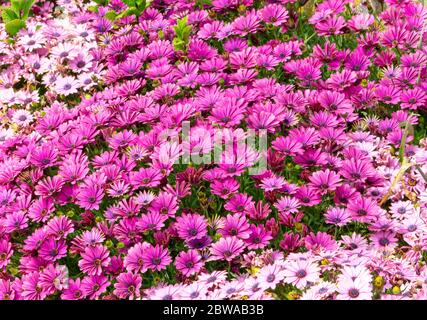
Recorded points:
(355,175)
(305,199)
(353,293)
(271,278)
(301,273)
(323,290)
(227,253)
(362,212)
(231,290)
(375,193)
(353,246)
(384,241)
(412,227)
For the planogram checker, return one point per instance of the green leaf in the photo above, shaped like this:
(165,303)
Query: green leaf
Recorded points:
(111,15)
(22,7)
(13,27)
(182,30)
(92,9)
(178,44)
(128,12)
(15,5)
(143,4)
(182,33)
(408,129)
(129,3)
(25,7)
(309,7)
(201,3)
(8,14)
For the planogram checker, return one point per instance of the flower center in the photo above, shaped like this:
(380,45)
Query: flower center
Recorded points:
(270,278)
(412,228)
(362,212)
(353,293)
(301,273)
(384,241)
(227,253)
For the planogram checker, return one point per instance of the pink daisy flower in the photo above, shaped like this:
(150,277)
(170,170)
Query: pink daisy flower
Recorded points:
(301,272)
(94,259)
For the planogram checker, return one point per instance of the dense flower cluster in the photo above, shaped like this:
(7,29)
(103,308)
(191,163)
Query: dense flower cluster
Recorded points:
(97,202)
(52,59)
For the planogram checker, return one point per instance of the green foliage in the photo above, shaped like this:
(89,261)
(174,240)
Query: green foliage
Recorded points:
(111,15)
(182,33)
(8,14)
(13,27)
(408,130)
(22,7)
(201,3)
(15,16)
(102,2)
(135,7)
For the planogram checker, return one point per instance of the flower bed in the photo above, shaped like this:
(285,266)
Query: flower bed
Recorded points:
(214,150)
